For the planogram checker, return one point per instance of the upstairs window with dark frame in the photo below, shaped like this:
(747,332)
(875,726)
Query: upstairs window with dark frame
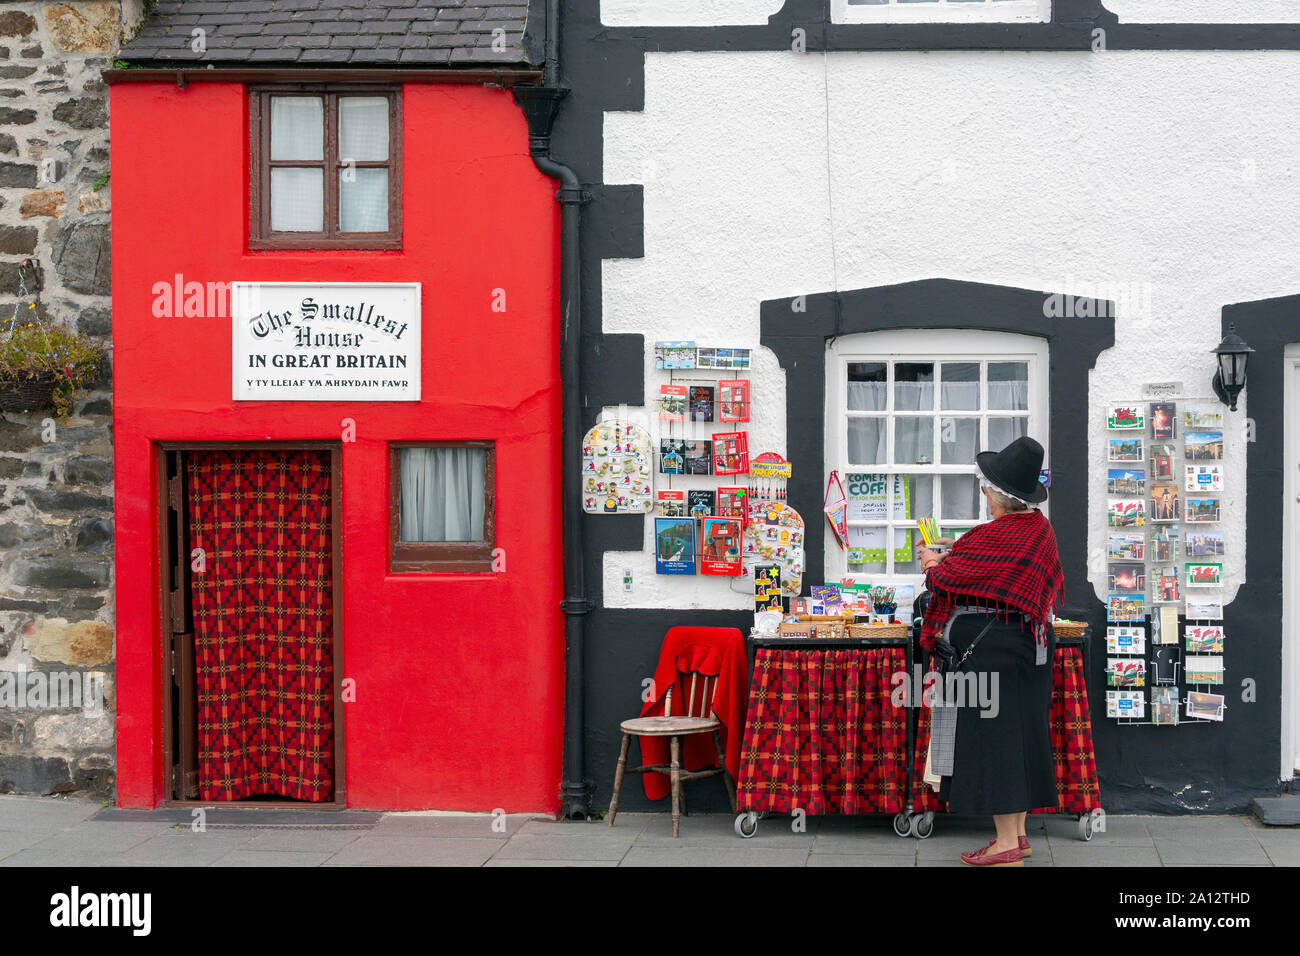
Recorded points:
(326,169)
(442,506)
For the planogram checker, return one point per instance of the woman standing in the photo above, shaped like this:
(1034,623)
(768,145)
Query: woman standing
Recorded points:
(991,600)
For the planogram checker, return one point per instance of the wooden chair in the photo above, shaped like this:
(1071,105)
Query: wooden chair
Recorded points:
(697,719)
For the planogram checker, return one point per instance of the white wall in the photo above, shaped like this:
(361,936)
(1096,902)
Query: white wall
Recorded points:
(1204,11)
(774,174)
(686,13)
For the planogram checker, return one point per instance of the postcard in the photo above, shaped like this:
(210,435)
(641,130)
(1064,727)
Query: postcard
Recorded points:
(697,458)
(1164,705)
(1202,510)
(1164,502)
(1125,640)
(1164,542)
(1126,514)
(733,401)
(674,355)
(730,453)
(701,403)
(1203,670)
(1164,626)
(1126,449)
(1126,672)
(1166,662)
(720,546)
(1205,575)
(1166,585)
(672,456)
(1125,703)
(1126,547)
(672,504)
(1203,478)
(1202,417)
(672,403)
(700,502)
(1127,577)
(1126,481)
(1204,706)
(733,502)
(674,546)
(1204,544)
(1162,419)
(1128,417)
(1203,638)
(721,358)
(1205,607)
(1162,462)
(1125,607)
(1203,446)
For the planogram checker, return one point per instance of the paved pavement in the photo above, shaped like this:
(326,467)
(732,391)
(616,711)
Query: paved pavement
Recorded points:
(52,831)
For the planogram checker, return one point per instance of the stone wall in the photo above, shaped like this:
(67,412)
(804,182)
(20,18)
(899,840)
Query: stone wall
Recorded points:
(56,479)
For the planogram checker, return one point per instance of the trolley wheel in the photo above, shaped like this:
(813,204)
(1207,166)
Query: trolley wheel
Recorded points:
(923,825)
(902,824)
(746,824)
(1085,826)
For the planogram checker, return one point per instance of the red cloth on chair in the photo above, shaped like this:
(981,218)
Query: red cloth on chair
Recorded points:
(719,649)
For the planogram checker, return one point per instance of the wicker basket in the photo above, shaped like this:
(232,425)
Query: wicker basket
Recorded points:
(28,395)
(1069,628)
(835,628)
(878,630)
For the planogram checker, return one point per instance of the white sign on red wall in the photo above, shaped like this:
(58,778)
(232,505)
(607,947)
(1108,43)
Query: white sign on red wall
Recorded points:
(326,341)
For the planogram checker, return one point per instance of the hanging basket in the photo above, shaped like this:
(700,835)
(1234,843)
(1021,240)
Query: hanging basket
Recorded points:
(28,394)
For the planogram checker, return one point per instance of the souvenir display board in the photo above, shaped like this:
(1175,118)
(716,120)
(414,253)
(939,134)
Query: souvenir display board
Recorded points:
(617,469)
(1165,481)
(775,536)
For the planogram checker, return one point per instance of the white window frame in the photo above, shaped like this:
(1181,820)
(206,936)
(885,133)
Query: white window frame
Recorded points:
(922,345)
(943,11)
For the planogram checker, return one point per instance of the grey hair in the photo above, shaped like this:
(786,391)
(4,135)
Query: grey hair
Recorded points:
(1005,501)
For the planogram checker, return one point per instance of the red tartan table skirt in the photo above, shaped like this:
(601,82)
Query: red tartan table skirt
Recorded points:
(822,735)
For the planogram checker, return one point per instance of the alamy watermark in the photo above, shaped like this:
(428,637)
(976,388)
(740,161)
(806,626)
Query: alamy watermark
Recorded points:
(52,690)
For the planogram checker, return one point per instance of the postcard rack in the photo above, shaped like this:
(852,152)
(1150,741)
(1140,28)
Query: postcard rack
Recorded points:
(1165,671)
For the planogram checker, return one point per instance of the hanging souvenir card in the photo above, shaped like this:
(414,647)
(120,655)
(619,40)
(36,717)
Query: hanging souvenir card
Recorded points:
(700,502)
(617,469)
(1205,607)
(697,457)
(721,358)
(1126,672)
(1202,418)
(1204,543)
(730,453)
(835,505)
(1127,577)
(674,546)
(1126,640)
(1162,462)
(1126,547)
(1203,446)
(700,398)
(733,400)
(672,504)
(1126,481)
(1125,417)
(1204,670)
(1202,510)
(1163,417)
(674,355)
(1204,575)
(1204,706)
(1204,638)
(1164,502)
(776,536)
(1166,585)
(1122,513)
(768,474)
(733,502)
(1125,703)
(672,403)
(1125,449)
(1203,478)
(1164,706)
(1125,607)
(1164,542)
(672,456)
(720,546)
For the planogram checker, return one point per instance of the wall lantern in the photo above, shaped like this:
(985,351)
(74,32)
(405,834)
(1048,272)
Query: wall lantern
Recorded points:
(1230,379)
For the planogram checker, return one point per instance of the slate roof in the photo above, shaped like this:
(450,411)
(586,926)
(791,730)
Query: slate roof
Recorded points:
(334,33)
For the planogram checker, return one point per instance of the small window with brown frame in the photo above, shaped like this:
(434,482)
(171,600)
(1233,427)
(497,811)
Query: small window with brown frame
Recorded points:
(326,168)
(442,506)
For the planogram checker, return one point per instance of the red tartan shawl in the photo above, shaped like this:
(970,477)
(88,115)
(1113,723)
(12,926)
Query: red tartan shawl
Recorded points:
(1009,562)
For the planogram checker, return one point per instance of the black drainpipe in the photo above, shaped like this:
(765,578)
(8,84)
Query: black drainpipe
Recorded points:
(540,105)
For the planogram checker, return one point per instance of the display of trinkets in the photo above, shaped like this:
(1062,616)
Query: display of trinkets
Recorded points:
(775,535)
(617,469)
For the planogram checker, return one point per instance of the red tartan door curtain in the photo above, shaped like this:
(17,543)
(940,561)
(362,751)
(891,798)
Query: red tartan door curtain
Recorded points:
(261,589)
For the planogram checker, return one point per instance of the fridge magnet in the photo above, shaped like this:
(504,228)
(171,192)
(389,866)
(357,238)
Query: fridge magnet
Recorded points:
(672,456)
(1166,585)
(1164,502)
(1204,670)
(617,463)
(722,358)
(1125,449)
(767,587)
(1204,544)
(1125,640)
(1198,418)
(671,504)
(733,502)
(1127,577)
(776,536)
(1203,478)
(700,502)
(730,453)
(1127,417)
(1126,547)
(674,546)
(698,460)
(1125,607)
(1126,672)
(1126,481)
(1126,514)
(1162,419)
(835,505)
(1203,446)
(1205,607)
(672,403)
(1125,703)
(674,355)
(720,546)
(701,403)
(1202,510)
(1204,638)
(1166,662)
(1204,575)
(1164,542)
(1204,706)
(1162,462)
(1164,706)
(733,401)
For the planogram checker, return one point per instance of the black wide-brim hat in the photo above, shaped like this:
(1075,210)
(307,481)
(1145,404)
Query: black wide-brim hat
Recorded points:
(1015,469)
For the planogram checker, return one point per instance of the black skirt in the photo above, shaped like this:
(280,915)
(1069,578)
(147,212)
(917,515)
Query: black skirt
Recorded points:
(1002,752)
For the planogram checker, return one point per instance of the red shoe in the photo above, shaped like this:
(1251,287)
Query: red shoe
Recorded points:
(1025,850)
(979,857)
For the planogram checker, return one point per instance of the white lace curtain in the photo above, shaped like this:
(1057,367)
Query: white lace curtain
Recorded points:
(442,494)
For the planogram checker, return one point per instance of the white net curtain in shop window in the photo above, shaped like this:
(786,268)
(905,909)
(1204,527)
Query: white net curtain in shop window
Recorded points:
(442,494)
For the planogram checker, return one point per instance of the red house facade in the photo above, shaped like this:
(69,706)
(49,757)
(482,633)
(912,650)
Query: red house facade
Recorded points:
(351,600)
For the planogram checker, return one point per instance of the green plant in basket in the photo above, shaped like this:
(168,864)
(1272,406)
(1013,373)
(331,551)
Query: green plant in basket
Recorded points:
(44,364)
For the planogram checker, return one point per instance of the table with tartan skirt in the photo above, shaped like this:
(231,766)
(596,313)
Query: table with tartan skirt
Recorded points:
(823,734)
